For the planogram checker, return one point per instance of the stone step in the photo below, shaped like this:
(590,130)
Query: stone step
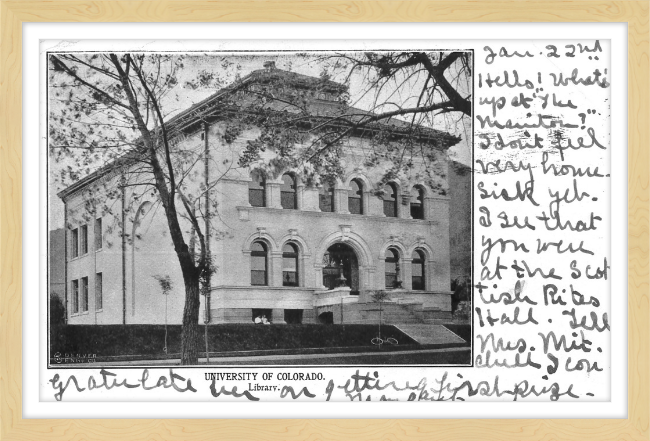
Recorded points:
(391,313)
(429,334)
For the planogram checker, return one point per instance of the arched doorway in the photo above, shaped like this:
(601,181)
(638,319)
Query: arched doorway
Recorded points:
(341,268)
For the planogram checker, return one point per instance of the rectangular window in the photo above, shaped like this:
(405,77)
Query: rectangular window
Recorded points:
(417,275)
(74,242)
(293,316)
(83,239)
(391,274)
(289,271)
(258,278)
(391,280)
(98,234)
(416,211)
(354,205)
(75,297)
(326,198)
(262,315)
(288,200)
(326,203)
(390,209)
(99,300)
(289,278)
(256,197)
(258,270)
(84,294)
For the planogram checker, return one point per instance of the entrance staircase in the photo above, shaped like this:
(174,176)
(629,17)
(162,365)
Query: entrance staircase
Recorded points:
(427,334)
(391,313)
(344,308)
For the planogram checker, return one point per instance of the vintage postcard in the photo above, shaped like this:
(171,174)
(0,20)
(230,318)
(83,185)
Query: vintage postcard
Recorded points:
(274,222)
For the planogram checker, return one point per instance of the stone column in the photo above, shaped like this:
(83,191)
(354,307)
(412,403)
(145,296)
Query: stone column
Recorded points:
(372,277)
(429,208)
(300,194)
(375,206)
(341,200)
(308,316)
(310,199)
(273,195)
(363,278)
(366,201)
(405,206)
(275,265)
(380,274)
(278,316)
(407,273)
(318,276)
(439,268)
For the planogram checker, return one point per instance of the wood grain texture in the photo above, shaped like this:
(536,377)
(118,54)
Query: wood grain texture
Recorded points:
(14,13)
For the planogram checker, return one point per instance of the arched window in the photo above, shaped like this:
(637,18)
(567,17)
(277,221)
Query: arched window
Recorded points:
(417,270)
(288,193)
(390,200)
(259,264)
(355,197)
(326,198)
(392,268)
(256,195)
(417,202)
(290,265)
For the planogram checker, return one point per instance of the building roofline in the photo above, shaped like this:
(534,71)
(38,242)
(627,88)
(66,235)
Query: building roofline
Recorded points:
(197,112)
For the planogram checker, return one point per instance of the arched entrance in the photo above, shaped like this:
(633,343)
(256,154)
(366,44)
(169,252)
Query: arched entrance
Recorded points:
(326,318)
(341,268)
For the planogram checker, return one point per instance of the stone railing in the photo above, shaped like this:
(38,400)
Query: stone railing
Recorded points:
(334,296)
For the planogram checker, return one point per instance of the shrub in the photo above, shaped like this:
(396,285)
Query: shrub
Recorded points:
(114,340)
(463,311)
(57,310)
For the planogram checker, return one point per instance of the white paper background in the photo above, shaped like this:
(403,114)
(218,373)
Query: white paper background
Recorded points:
(35,32)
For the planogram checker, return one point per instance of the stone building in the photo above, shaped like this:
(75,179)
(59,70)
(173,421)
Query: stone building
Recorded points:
(290,249)
(460,231)
(56,263)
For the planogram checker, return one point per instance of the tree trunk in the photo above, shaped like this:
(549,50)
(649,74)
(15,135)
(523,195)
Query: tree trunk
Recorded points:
(190,337)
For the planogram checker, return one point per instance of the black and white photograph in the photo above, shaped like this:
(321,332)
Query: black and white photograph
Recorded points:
(259,208)
(422,220)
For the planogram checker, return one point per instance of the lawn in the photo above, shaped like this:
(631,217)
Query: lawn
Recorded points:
(148,340)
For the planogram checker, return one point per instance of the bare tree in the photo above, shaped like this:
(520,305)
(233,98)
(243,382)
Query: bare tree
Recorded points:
(107,110)
(399,99)
(446,86)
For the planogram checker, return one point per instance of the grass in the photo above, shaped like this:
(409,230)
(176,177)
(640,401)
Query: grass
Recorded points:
(148,340)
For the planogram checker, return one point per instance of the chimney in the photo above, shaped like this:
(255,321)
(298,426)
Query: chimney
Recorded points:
(269,65)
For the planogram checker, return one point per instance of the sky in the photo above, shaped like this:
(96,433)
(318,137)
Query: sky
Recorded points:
(226,68)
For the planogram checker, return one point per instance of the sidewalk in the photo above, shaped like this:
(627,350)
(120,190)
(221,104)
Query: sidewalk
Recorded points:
(266,359)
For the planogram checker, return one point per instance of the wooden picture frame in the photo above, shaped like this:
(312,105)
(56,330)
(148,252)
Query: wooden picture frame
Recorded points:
(15,13)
